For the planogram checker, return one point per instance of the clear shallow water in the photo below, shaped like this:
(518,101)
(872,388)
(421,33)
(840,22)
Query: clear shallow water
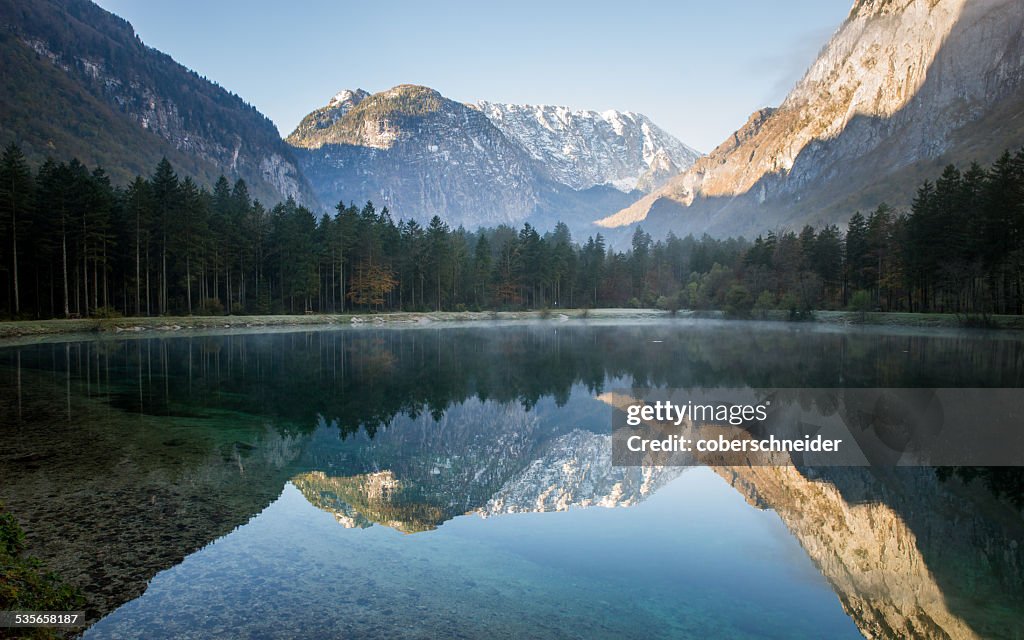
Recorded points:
(692,560)
(456,481)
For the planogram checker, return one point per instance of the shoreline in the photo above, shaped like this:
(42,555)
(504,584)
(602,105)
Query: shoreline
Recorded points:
(11,329)
(160,324)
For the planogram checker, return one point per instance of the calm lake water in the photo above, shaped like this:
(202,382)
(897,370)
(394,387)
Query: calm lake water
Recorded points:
(456,481)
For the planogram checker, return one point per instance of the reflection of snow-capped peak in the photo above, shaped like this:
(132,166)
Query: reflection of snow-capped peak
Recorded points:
(576,471)
(583,148)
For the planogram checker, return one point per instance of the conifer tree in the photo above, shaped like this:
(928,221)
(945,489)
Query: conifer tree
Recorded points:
(16,205)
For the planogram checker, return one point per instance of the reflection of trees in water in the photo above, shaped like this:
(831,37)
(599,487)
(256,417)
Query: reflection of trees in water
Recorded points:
(108,498)
(1003,482)
(363,378)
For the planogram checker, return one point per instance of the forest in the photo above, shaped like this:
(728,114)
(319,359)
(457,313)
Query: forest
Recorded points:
(76,245)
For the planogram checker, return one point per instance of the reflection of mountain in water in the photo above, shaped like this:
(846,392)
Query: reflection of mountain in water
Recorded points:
(576,471)
(482,457)
(360,501)
(907,555)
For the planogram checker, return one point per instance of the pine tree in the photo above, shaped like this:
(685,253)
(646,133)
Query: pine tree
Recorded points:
(440,255)
(482,263)
(16,205)
(856,254)
(192,228)
(138,201)
(166,207)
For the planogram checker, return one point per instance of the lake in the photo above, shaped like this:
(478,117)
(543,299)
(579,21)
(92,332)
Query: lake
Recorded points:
(456,481)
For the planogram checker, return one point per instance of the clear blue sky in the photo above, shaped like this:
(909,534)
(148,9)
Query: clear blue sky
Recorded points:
(698,69)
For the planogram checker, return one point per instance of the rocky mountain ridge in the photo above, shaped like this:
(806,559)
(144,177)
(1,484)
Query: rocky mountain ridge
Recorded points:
(422,154)
(584,148)
(325,117)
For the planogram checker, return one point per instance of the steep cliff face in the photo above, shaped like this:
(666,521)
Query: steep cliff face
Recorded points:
(583,149)
(79,82)
(903,86)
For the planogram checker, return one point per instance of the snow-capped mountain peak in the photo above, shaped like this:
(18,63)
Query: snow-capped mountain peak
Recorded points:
(322,119)
(347,99)
(582,148)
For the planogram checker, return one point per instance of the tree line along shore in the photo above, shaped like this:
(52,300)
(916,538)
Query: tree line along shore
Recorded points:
(77,247)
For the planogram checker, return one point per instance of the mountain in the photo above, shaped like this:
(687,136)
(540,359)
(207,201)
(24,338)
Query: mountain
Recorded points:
(418,153)
(902,88)
(76,81)
(583,149)
(422,154)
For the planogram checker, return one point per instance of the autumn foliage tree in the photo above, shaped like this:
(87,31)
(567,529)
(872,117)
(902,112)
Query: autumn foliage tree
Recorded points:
(371,284)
